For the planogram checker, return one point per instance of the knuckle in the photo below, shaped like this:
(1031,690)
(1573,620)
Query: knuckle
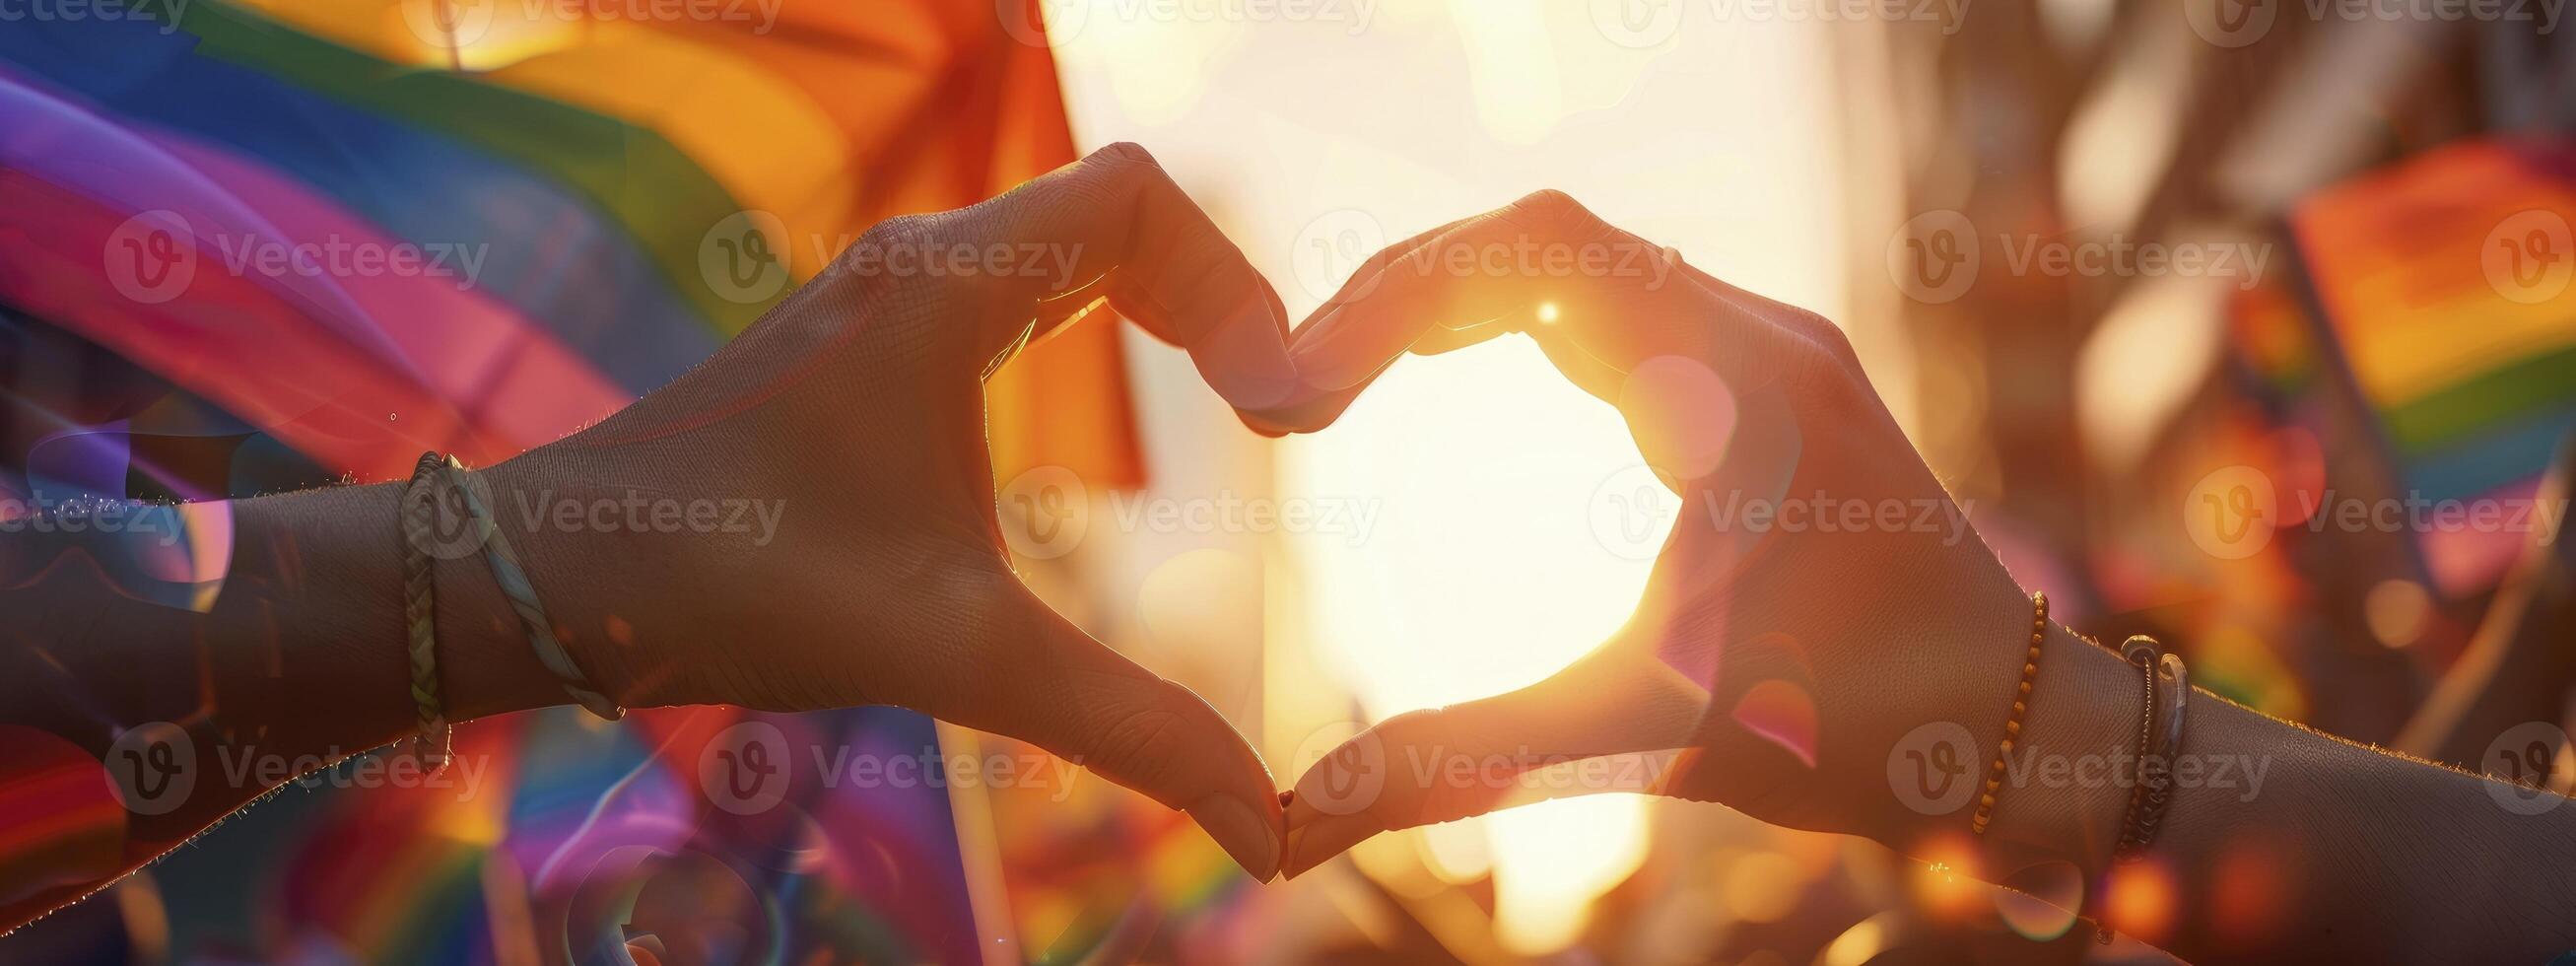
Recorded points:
(1835,391)
(1555,209)
(1825,334)
(1145,746)
(1125,153)
(900,231)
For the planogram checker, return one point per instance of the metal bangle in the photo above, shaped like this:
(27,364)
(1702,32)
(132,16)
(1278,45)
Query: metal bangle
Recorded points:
(2159,740)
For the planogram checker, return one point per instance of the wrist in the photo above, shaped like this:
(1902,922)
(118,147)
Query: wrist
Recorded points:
(2063,790)
(487,665)
(2066,782)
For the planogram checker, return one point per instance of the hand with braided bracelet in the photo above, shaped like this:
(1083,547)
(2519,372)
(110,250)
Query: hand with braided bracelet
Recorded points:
(855,407)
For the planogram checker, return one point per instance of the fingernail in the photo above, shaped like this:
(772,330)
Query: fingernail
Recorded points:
(1313,335)
(1246,833)
(1289,865)
(1245,359)
(1327,367)
(1317,842)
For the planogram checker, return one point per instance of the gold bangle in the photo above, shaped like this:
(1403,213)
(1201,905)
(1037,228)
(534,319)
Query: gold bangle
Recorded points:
(2012,725)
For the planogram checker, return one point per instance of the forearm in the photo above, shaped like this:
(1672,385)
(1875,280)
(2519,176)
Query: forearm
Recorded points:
(2374,856)
(297,661)
(2283,842)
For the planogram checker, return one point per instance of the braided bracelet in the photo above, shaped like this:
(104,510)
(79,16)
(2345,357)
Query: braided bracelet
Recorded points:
(514,582)
(417,511)
(2020,707)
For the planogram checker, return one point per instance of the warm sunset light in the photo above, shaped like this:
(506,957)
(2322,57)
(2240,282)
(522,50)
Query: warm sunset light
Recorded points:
(1493,482)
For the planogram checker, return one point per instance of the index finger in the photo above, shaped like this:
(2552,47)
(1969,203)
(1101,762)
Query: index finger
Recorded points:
(1539,260)
(1131,236)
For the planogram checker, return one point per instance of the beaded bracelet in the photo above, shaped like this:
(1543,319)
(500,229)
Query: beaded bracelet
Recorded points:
(2012,725)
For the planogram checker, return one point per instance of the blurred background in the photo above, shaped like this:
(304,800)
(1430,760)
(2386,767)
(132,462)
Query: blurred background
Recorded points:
(2156,288)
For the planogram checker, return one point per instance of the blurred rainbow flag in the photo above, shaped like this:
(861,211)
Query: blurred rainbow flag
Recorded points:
(2441,300)
(247,246)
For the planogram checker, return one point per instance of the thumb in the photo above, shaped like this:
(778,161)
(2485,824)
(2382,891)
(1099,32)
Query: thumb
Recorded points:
(1056,687)
(1464,760)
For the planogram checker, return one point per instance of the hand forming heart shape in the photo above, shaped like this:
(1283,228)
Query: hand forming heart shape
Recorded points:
(1790,654)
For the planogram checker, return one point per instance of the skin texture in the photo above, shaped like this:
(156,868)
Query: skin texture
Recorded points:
(1773,671)
(1789,667)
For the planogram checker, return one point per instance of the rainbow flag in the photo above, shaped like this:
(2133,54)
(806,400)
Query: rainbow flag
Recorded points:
(2442,290)
(559,206)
